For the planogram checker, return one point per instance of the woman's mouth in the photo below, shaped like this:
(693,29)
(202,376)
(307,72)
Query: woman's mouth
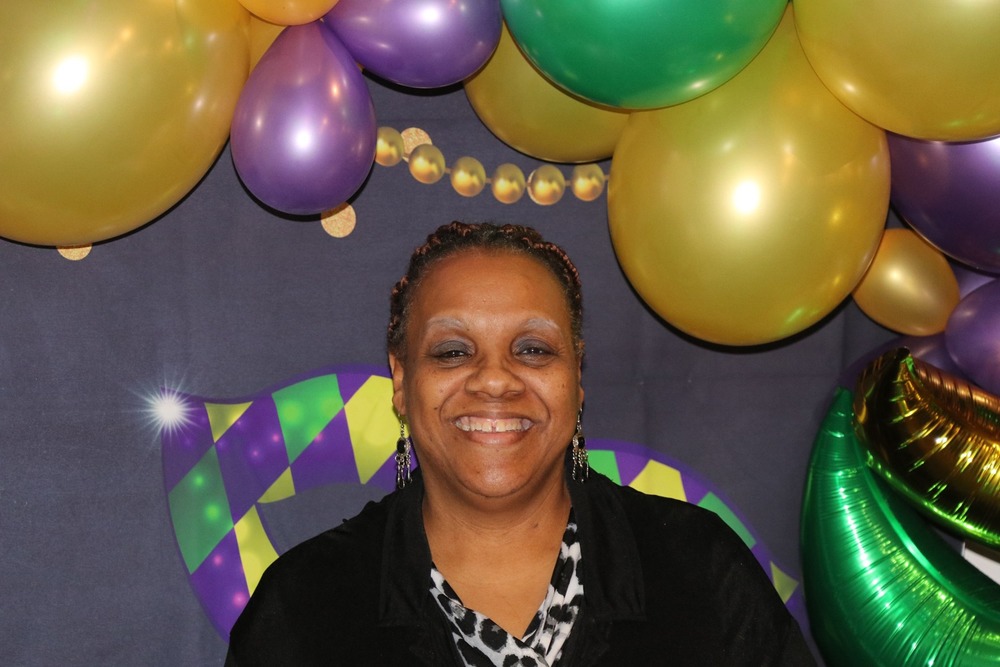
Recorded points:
(489,425)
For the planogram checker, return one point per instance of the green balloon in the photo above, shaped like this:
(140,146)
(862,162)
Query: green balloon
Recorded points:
(641,54)
(882,588)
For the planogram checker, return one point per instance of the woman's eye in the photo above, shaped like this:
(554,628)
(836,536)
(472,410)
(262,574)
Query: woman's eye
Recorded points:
(534,350)
(450,352)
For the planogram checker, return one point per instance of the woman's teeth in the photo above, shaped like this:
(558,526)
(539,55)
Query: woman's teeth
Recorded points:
(492,425)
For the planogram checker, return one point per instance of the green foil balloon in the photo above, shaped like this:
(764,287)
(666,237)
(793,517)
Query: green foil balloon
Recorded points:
(641,54)
(882,588)
(935,438)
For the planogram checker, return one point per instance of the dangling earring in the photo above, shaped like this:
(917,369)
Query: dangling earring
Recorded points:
(581,467)
(402,458)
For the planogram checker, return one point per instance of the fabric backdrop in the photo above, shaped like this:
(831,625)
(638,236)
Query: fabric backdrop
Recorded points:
(224,298)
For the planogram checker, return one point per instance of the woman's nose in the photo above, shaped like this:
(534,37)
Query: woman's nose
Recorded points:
(495,377)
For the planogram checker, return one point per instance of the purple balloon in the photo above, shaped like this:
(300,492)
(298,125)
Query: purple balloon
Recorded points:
(969,279)
(973,336)
(418,43)
(950,194)
(304,133)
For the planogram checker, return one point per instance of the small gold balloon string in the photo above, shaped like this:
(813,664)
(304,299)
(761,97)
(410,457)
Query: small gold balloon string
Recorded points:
(545,185)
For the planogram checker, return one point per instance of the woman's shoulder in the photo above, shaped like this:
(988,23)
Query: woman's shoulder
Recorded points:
(357,540)
(659,511)
(672,530)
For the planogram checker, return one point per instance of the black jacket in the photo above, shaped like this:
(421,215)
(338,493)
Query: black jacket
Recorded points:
(665,582)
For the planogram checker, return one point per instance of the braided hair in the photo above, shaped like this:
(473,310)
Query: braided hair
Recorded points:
(457,237)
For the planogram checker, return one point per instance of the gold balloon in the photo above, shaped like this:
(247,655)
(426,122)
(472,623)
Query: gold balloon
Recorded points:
(112,111)
(528,112)
(546,185)
(909,287)
(746,215)
(262,35)
(508,183)
(468,176)
(389,147)
(427,163)
(921,68)
(935,439)
(587,181)
(288,12)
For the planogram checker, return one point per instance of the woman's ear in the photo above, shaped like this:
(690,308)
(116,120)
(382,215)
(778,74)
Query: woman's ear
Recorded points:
(398,393)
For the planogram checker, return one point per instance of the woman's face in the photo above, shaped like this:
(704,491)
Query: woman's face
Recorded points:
(490,383)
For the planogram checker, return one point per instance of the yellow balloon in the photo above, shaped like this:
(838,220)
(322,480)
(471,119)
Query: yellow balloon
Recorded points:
(262,35)
(746,215)
(427,163)
(909,287)
(112,111)
(528,112)
(508,183)
(546,185)
(468,176)
(288,12)
(587,181)
(922,68)
(389,147)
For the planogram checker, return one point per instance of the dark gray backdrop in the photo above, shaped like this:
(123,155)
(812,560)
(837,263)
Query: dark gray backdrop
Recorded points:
(224,298)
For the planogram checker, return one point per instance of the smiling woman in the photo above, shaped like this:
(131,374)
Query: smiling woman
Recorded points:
(501,548)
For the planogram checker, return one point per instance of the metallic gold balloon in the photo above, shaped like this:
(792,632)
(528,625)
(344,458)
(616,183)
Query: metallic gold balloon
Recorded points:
(468,176)
(527,111)
(587,181)
(935,439)
(882,588)
(921,68)
(112,111)
(508,183)
(748,214)
(289,12)
(909,287)
(389,147)
(546,185)
(262,35)
(427,163)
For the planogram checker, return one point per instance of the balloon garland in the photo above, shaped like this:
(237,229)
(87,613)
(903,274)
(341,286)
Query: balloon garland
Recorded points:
(881,587)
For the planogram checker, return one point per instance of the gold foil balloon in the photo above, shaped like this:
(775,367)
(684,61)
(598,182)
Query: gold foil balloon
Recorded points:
(288,12)
(922,68)
(546,185)
(112,111)
(530,113)
(746,215)
(389,147)
(935,439)
(508,183)
(883,589)
(427,163)
(909,287)
(262,35)
(468,176)
(587,181)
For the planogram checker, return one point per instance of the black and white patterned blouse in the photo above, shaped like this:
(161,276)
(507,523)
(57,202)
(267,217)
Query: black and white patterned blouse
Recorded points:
(481,642)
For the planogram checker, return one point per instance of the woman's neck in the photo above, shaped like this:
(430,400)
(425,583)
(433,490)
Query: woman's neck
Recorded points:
(498,557)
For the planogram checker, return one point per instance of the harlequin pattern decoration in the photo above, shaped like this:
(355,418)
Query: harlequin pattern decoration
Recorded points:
(222,459)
